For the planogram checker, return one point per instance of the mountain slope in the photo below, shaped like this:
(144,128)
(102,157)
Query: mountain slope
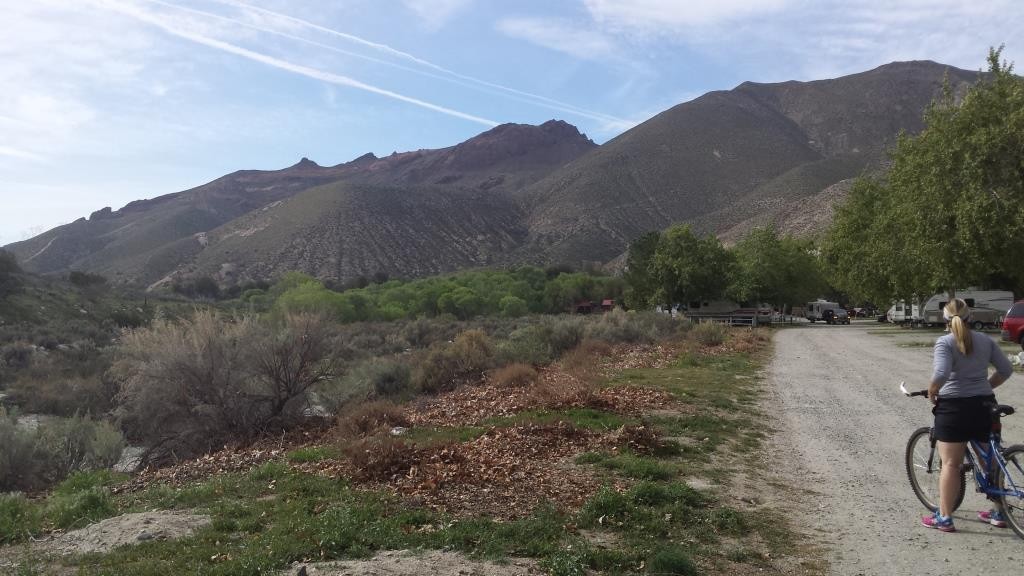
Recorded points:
(725,162)
(148,240)
(728,158)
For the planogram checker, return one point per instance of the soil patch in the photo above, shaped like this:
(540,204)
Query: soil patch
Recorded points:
(404,563)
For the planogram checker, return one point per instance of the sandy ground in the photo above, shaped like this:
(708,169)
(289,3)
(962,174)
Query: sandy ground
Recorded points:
(842,430)
(104,536)
(403,563)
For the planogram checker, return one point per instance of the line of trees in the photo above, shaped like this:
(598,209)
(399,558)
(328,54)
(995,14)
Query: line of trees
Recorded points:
(678,266)
(950,211)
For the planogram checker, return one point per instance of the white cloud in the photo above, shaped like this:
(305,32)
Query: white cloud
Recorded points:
(436,13)
(561,35)
(664,15)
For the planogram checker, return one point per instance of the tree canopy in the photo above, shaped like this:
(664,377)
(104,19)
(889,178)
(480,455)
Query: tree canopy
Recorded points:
(950,212)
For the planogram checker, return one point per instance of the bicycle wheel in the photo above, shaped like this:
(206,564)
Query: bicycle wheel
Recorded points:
(925,482)
(1013,479)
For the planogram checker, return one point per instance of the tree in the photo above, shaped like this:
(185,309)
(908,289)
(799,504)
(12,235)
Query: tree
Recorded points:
(950,212)
(690,268)
(639,274)
(775,269)
(10,283)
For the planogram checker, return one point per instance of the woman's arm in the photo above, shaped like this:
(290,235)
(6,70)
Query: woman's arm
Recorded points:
(942,365)
(1003,367)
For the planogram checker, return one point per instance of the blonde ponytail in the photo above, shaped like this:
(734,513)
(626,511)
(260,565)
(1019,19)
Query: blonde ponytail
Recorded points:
(957,313)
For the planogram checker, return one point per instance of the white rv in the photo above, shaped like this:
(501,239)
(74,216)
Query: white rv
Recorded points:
(987,307)
(900,313)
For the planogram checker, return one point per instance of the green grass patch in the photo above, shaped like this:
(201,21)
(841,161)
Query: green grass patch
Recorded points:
(631,465)
(81,499)
(313,454)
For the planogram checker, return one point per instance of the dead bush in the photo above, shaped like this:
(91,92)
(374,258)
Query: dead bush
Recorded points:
(558,393)
(584,361)
(748,340)
(48,392)
(189,387)
(639,438)
(381,458)
(369,418)
(514,376)
(473,351)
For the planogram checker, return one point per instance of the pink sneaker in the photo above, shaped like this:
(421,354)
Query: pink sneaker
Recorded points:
(940,523)
(993,517)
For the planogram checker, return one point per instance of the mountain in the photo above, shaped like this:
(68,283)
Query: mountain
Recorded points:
(150,241)
(728,158)
(781,153)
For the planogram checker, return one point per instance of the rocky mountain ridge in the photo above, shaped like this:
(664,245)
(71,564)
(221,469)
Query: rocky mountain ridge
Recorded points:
(724,162)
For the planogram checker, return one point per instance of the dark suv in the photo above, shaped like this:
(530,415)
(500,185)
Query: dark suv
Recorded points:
(1013,324)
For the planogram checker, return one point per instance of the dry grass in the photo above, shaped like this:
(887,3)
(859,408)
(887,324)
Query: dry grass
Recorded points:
(516,375)
(368,419)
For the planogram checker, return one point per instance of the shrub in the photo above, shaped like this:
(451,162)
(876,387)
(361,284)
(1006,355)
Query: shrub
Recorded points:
(442,366)
(19,518)
(514,376)
(47,392)
(710,333)
(621,326)
(513,306)
(369,418)
(19,466)
(473,351)
(195,385)
(33,459)
(10,282)
(381,458)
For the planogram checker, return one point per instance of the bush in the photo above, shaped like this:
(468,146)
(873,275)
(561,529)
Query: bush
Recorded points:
(621,326)
(189,387)
(442,366)
(514,376)
(369,418)
(710,333)
(19,466)
(47,392)
(34,459)
(10,282)
(381,458)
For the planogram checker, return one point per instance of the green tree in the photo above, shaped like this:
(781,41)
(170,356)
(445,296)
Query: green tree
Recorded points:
(690,268)
(950,212)
(775,269)
(642,285)
(9,271)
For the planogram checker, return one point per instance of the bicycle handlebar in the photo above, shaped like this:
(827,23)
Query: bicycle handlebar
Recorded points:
(909,394)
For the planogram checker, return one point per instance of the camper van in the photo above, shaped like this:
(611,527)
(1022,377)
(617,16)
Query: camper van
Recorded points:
(900,313)
(987,307)
(816,311)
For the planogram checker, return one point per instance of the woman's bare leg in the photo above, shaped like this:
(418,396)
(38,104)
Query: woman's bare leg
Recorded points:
(952,456)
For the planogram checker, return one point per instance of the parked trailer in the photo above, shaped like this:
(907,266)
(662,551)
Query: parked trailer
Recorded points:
(987,308)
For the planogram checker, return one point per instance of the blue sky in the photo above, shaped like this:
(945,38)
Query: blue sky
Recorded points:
(108,101)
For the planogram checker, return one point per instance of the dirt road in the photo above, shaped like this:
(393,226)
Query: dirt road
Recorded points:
(842,430)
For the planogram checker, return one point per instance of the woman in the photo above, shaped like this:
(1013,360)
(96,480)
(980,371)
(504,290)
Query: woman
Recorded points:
(961,390)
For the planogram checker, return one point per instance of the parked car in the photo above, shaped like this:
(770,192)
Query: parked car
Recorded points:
(1013,324)
(840,316)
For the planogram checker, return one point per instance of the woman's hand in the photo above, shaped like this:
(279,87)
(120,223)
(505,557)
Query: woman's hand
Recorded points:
(933,393)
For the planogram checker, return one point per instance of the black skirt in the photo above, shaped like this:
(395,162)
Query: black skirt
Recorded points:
(964,419)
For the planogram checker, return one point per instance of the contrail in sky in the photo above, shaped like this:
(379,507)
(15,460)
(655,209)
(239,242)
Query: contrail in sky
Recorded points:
(536,99)
(438,76)
(307,71)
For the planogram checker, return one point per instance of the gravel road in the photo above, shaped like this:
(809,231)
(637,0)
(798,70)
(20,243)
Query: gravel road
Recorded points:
(842,429)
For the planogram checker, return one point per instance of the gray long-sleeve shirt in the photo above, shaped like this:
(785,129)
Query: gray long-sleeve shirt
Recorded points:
(963,376)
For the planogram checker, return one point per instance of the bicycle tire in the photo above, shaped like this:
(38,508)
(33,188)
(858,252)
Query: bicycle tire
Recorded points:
(1013,507)
(926,484)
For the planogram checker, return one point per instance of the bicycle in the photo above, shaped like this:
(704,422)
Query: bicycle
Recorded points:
(1000,476)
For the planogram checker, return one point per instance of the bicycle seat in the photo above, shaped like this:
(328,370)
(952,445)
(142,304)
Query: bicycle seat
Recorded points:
(1002,410)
